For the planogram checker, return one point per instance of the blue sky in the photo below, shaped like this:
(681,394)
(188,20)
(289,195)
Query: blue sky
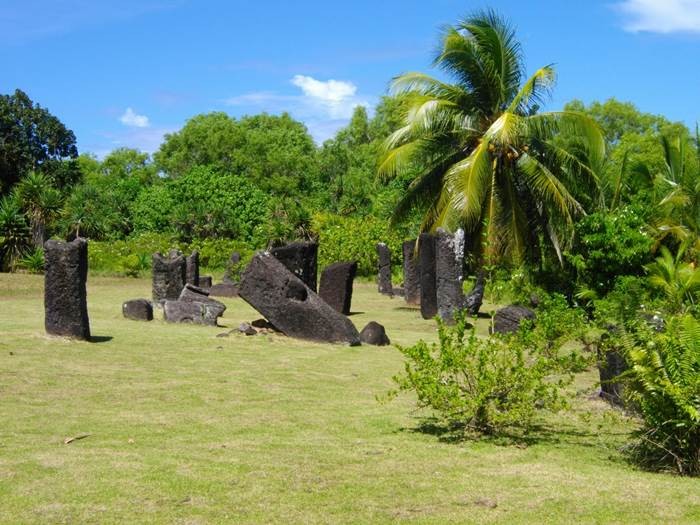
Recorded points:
(123,73)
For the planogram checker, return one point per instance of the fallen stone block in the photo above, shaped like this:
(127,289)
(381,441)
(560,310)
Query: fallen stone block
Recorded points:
(290,305)
(374,334)
(300,258)
(336,285)
(507,320)
(138,310)
(65,294)
(191,312)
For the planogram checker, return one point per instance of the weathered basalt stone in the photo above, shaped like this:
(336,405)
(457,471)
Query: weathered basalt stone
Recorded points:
(65,295)
(411,273)
(475,298)
(384,269)
(246,329)
(214,309)
(428,281)
(205,281)
(192,269)
(336,285)
(374,334)
(507,320)
(191,312)
(224,290)
(138,310)
(449,262)
(169,276)
(290,305)
(300,258)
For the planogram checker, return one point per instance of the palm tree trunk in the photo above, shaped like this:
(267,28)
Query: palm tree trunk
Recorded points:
(38,232)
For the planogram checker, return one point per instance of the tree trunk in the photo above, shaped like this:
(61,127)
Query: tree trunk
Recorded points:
(38,232)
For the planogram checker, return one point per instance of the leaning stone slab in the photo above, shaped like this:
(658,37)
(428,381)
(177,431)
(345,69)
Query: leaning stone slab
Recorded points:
(300,258)
(290,305)
(449,262)
(169,276)
(475,298)
(384,269)
(191,312)
(65,295)
(138,310)
(192,269)
(507,320)
(411,273)
(428,282)
(336,285)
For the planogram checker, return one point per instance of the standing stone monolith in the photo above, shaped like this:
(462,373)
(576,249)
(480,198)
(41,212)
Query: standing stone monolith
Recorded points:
(169,276)
(290,305)
(384,267)
(192,269)
(449,263)
(428,282)
(336,285)
(65,295)
(474,299)
(300,258)
(411,273)
(231,268)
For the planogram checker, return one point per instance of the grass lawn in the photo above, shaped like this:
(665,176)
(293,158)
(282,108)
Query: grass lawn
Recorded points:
(185,427)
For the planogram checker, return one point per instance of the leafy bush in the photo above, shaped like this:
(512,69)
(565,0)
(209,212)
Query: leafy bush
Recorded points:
(484,385)
(664,385)
(14,232)
(33,261)
(354,239)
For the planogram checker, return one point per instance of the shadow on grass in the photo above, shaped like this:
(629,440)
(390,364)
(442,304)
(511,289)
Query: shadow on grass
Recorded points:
(535,434)
(355,313)
(100,338)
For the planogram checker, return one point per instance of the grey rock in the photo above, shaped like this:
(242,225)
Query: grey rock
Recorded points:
(138,310)
(65,294)
(169,276)
(411,273)
(336,285)
(300,258)
(224,290)
(246,329)
(384,269)
(191,312)
(507,320)
(374,334)
(428,281)
(290,305)
(449,261)
(192,269)
(475,298)
(214,309)
(205,281)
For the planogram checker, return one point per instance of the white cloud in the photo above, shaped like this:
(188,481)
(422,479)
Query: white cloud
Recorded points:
(661,16)
(131,119)
(324,106)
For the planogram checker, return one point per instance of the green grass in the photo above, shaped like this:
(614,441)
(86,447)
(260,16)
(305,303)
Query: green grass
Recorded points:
(185,427)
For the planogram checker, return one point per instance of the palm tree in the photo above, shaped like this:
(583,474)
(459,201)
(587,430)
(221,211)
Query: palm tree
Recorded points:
(479,153)
(679,281)
(41,201)
(13,232)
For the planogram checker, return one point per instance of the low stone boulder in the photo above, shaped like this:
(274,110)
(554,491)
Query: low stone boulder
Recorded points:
(65,293)
(374,334)
(214,308)
(290,305)
(507,320)
(191,312)
(138,310)
(205,281)
(246,329)
(224,290)
(336,285)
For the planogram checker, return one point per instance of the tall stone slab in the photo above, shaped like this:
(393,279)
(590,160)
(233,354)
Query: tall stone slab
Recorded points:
(290,305)
(65,294)
(169,276)
(449,263)
(411,273)
(384,269)
(192,269)
(336,285)
(300,258)
(474,299)
(428,281)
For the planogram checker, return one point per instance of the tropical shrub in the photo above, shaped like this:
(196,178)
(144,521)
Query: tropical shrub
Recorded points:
(664,385)
(484,385)
(14,232)
(33,261)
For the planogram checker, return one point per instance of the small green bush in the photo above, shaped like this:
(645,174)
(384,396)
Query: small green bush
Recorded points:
(663,383)
(33,261)
(484,385)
